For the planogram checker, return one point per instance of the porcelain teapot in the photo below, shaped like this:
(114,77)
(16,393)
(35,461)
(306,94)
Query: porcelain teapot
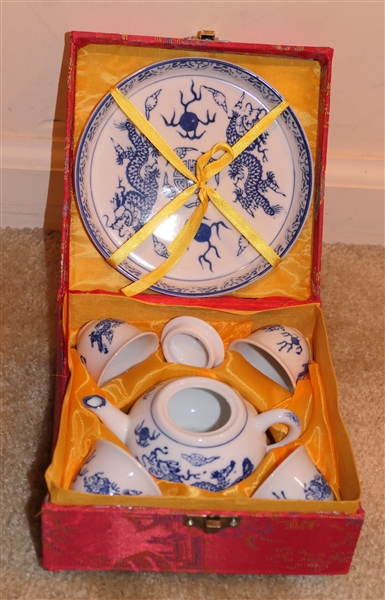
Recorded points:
(196,431)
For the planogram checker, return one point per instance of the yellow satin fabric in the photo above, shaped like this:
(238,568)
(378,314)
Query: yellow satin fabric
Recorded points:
(99,67)
(315,402)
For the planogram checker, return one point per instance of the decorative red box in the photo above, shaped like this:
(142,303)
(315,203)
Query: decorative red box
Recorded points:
(237,535)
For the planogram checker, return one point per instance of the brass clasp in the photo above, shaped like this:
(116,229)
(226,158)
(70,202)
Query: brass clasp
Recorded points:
(204,34)
(210,523)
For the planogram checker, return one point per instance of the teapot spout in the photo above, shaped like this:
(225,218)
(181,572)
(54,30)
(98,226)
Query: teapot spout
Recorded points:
(114,419)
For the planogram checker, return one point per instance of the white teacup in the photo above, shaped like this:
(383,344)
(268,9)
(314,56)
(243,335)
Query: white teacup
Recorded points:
(110,470)
(110,347)
(192,341)
(279,352)
(296,478)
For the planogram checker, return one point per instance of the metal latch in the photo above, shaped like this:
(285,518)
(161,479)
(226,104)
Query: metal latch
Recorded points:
(204,34)
(210,523)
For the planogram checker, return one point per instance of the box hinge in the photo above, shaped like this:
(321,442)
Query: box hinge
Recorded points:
(210,523)
(204,34)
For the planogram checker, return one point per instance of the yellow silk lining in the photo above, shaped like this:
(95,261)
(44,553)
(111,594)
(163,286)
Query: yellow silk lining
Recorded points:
(99,67)
(315,401)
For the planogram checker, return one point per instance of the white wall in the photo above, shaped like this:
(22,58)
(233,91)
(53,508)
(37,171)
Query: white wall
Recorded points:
(33,92)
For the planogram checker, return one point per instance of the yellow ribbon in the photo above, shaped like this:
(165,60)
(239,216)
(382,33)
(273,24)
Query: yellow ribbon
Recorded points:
(204,171)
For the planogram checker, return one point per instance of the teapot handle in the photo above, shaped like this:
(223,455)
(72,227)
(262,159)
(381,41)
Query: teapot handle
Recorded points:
(279,415)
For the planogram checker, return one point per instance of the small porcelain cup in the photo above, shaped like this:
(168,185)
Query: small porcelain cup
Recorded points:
(296,478)
(192,341)
(110,470)
(279,352)
(195,430)
(110,347)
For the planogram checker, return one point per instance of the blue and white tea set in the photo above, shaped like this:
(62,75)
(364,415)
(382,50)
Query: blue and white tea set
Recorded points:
(195,431)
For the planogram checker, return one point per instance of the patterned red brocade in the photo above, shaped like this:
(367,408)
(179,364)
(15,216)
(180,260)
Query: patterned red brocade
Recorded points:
(157,540)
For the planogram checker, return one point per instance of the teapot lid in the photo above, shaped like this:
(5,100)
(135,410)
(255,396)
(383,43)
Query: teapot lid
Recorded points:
(199,411)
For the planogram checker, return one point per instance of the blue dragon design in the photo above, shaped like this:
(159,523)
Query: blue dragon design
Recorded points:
(132,207)
(247,168)
(169,470)
(144,437)
(104,329)
(222,477)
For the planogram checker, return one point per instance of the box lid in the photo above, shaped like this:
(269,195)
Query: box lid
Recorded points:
(302,75)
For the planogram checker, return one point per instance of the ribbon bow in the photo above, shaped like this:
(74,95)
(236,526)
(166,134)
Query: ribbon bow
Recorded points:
(204,171)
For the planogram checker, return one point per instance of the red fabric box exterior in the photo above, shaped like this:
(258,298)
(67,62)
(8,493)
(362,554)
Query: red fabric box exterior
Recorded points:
(162,540)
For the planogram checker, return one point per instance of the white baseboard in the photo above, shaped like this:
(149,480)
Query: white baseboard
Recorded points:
(354,201)
(32,191)
(354,216)
(31,183)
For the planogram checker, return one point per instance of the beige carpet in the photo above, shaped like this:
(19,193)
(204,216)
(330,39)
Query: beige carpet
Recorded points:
(353,300)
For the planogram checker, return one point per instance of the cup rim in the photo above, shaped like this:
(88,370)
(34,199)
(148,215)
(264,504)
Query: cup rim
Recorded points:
(169,356)
(101,382)
(201,330)
(258,344)
(84,332)
(301,449)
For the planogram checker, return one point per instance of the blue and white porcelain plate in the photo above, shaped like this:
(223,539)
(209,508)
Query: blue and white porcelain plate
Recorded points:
(122,181)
